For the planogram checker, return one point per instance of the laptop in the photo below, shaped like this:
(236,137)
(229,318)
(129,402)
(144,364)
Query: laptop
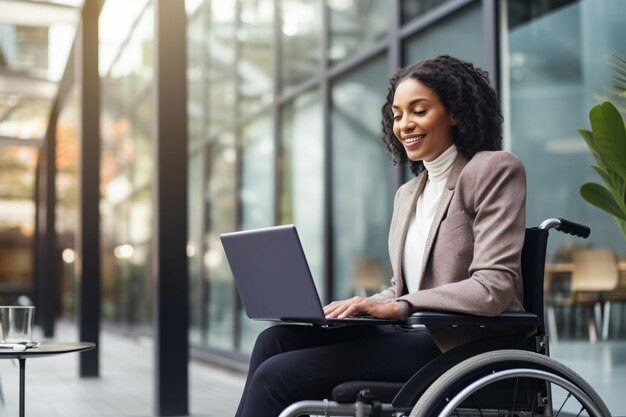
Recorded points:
(274,280)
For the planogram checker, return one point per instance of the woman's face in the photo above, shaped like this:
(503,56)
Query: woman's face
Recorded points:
(420,121)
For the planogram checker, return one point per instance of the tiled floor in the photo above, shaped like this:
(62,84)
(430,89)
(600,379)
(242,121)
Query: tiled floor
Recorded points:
(603,365)
(125,387)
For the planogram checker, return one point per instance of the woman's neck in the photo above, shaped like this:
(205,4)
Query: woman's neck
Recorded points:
(439,168)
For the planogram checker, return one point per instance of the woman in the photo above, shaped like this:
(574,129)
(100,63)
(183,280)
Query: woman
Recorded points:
(455,244)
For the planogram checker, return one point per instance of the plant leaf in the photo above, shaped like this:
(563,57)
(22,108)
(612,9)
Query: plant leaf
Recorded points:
(609,135)
(591,144)
(602,198)
(622,226)
(619,81)
(606,177)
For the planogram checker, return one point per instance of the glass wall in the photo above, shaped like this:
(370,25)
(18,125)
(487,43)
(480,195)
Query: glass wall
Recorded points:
(555,70)
(355,25)
(459,34)
(284,127)
(254,67)
(222,217)
(278,135)
(361,207)
(33,56)
(302,188)
(67,137)
(17,217)
(219,68)
(257,173)
(301,40)
(194,246)
(127,164)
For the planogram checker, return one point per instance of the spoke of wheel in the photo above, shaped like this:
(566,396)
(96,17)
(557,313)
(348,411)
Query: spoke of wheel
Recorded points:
(535,396)
(500,396)
(514,397)
(569,394)
(581,410)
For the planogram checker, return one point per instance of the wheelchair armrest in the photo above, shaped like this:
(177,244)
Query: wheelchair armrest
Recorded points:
(440,318)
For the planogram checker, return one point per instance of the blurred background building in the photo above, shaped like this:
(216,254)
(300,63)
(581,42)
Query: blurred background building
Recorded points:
(283,122)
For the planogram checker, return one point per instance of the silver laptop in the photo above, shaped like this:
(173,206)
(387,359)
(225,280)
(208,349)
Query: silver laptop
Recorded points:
(273,277)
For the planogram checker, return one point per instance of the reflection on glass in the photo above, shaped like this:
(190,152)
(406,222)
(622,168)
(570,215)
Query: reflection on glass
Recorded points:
(140,217)
(23,117)
(557,70)
(24,48)
(17,214)
(459,35)
(133,67)
(139,285)
(126,181)
(301,27)
(195,74)
(116,21)
(220,199)
(140,130)
(412,9)
(67,148)
(362,196)
(257,195)
(302,191)
(355,25)
(255,65)
(194,230)
(257,182)
(219,70)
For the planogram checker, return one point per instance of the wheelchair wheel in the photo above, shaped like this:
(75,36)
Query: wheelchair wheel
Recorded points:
(510,383)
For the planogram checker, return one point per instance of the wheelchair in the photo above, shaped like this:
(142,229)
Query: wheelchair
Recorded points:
(510,376)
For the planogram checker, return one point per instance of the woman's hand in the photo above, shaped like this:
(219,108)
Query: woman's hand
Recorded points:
(360,306)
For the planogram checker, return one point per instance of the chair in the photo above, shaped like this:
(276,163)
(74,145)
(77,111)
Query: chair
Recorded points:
(617,294)
(594,275)
(470,379)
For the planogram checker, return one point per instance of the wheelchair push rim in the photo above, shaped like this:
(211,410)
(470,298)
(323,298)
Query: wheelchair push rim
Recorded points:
(519,373)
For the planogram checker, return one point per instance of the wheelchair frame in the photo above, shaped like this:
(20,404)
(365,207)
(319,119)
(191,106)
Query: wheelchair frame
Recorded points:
(442,386)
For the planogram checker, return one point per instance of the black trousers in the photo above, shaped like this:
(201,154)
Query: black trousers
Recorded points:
(290,363)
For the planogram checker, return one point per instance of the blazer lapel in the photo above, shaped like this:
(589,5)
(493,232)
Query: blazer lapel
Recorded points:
(442,209)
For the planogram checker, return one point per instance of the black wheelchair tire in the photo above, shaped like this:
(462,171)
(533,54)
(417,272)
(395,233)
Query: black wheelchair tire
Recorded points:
(445,388)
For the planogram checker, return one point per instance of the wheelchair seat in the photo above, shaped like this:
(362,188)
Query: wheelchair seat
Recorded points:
(511,361)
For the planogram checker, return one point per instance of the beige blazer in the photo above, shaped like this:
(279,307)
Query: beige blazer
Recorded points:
(473,250)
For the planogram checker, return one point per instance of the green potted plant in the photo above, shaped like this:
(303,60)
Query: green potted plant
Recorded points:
(607,142)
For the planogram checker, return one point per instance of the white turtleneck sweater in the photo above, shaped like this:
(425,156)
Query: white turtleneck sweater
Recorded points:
(427,202)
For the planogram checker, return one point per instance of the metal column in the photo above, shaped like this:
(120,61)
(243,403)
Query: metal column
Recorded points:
(87,266)
(47,279)
(170,268)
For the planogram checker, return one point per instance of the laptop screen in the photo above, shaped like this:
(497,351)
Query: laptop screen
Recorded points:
(272,274)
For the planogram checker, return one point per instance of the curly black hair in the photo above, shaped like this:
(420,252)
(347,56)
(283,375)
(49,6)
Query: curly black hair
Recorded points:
(465,92)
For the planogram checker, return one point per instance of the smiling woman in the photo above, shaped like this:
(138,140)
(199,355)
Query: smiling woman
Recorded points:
(420,121)
(464,93)
(455,243)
